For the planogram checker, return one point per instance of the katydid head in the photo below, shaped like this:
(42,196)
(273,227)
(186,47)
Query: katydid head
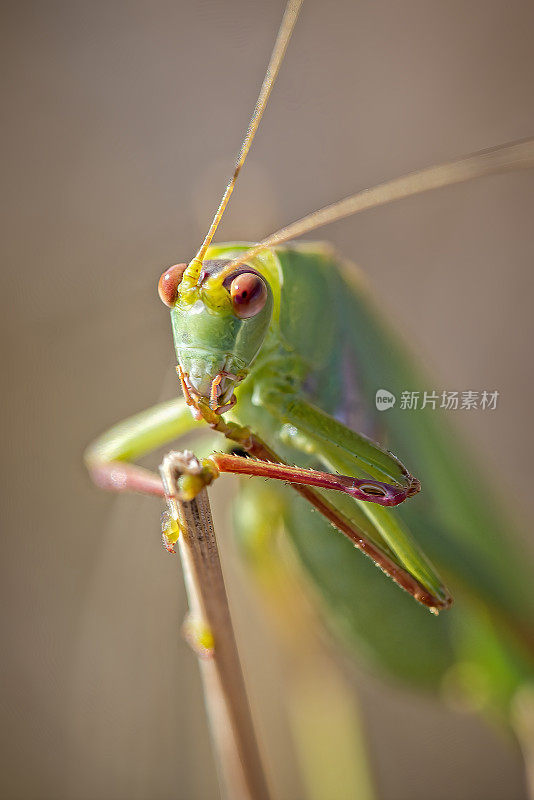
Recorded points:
(218,328)
(220,321)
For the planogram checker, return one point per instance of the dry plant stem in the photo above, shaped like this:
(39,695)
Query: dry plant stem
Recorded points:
(237,754)
(522,721)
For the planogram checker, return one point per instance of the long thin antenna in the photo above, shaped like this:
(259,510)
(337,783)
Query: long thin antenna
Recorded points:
(277,56)
(510,156)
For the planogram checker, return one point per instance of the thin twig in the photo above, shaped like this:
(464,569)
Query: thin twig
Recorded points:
(209,630)
(522,722)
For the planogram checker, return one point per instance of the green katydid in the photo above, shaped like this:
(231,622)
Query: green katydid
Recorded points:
(263,334)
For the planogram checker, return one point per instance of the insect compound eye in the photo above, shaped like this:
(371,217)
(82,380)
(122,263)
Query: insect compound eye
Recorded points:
(169,282)
(248,293)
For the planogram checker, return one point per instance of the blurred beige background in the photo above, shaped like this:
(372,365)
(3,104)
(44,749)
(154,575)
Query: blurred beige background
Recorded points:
(120,124)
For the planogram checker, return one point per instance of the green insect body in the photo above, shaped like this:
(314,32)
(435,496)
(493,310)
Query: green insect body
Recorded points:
(321,347)
(323,319)
(281,349)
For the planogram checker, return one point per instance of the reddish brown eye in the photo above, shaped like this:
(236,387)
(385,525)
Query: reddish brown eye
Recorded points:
(169,282)
(248,293)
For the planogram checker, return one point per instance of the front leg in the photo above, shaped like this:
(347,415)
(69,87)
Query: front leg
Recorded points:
(340,449)
(414,574)
(369,527)
(268,464)
(361,489)
(367,458)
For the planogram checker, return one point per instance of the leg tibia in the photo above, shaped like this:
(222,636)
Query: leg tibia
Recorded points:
(368,490)
(367,457)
